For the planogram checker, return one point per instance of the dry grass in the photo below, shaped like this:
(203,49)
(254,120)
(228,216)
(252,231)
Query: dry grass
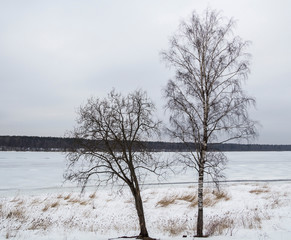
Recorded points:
(131,200)
(87,214)
(17,213)
(254,222)
(15,199)
(83,203)
(257,220)
(51,205)
(275,203)
(71,222)
(93,195)
(40,224)
(252,219)
(46,207)
(193,204)
(175,226)
(174,229)
(221,195)
(274,200)
(166,201)
(11,231)
(258,191)
(263,189)
(74,200)
(1,212)
(191,197)
(20,202)
(59,196)
(55,204)
(219,226)
(10,234)
(35,201)
(67,197)
(208,201)
(210,198)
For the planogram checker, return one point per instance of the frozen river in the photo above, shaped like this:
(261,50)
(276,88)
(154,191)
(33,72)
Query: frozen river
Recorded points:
(22,171)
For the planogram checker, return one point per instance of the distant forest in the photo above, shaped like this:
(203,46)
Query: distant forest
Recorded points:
(25,143)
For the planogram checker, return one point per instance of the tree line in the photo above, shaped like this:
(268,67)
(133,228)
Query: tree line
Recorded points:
(51,144)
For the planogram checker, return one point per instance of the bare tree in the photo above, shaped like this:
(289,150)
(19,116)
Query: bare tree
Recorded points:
(206,101)
(110,147)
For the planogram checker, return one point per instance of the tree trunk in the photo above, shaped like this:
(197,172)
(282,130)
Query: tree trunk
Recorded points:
(202,161)
(140,213)
(200,202)
(134,187)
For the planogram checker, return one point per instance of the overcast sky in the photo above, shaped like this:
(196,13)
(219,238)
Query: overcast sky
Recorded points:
(56,54)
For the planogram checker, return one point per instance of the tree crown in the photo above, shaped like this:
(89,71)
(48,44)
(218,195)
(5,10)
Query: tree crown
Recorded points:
(206,98)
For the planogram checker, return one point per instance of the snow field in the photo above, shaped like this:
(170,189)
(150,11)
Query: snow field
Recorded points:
(238,211)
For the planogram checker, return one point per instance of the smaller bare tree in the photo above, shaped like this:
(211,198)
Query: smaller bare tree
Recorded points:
(110,144)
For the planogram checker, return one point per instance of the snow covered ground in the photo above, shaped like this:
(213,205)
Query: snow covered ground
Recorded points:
(35,204)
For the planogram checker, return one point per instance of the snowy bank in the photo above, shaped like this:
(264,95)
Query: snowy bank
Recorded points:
(239,211)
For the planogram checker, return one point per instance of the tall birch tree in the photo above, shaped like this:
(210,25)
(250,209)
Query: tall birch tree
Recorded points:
(205,99)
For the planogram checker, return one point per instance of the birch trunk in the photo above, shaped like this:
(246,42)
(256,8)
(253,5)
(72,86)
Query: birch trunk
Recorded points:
(200,202)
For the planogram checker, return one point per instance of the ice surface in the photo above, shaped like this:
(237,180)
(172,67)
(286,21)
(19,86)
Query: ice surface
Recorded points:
(36,170)
(258,165)
(28,170)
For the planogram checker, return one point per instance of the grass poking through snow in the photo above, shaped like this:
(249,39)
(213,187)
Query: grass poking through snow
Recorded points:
(169,211)
(211,198)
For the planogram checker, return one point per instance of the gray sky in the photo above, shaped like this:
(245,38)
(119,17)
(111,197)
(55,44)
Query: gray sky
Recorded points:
(56,54)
